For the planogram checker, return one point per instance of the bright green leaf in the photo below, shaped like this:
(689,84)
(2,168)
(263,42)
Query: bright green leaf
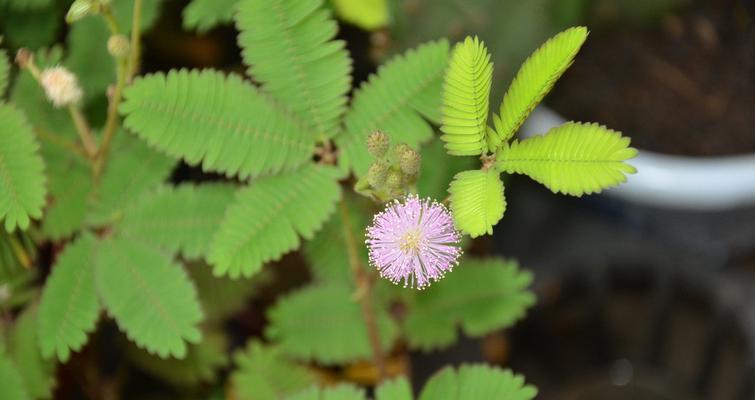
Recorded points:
(474,382)
(477,201)
(340,392)
(395,389)
(573,158)
(466,92)
(267,218)
(535,79)
(220,121)
(481,296)
(333,323)
(37,373)
(69,307)
(366,14)
(151,297)
(11,382)
(264,373)
(204,15)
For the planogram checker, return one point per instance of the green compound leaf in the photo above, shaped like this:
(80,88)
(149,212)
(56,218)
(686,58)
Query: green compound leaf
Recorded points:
(367,14)
(477,201)
(223,297)
(151,297)
(466,92)
(4,72)
(11,382)
(480,296)
(267,218)
(395,100)
(70,181)
(69,307)
(332,321)
(204,15)
(200,365)
(535,79)
(178,219)
(340,392)
(289,48)
(474,382)
(22,179)
(133,170)
(395,389)
(574,158)
(37,373)
(264,373)
(221,121)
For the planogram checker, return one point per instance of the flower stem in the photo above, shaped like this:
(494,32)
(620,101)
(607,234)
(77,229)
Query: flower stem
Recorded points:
(85,133)
(364,283)
(136,31)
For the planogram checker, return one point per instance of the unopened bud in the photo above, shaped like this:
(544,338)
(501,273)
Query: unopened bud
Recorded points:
(80,9)
(400,149)
(61,86)
(410,162)
(118,46)
(377,143)
(377,173)
(394,179)
(23,57)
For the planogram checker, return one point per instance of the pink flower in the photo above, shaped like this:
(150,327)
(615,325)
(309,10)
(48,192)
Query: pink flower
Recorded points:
(413,241)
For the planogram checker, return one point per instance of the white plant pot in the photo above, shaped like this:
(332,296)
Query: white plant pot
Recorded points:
(670,181)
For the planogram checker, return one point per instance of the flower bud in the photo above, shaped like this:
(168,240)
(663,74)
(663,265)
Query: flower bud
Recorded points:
(377,173)
(61,86)
(399,150)
(394,180)
(80,9)
(377,143)
(410,162)
(118,46)
(23,57)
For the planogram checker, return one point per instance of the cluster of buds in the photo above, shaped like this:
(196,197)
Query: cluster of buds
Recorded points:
(393,171)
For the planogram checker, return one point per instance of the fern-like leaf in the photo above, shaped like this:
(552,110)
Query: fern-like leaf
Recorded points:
(69,307)
(38,373)
(221,121)
(264,373)
(466,93)
(535,79)
(395,389)
(22,179)
(573,158)
(267,218)
(477,201)
(11,381)
(204,15)
(481,296)
(181,219)
(473,382)
(289,47)
(395,100)
(332,320)
(152,299)
(339,392)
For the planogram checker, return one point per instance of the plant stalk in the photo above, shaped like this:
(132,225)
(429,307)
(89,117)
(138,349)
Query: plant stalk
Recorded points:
(85,133)
(364,284)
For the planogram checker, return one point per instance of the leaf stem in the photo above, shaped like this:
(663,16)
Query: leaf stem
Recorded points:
(85,133)
(364,293)
(136,30)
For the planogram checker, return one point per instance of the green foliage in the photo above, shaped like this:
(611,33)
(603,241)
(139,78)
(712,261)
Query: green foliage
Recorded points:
(473,382)
(267,218)
(200,365)
(535,79)
(11,382)
(88,57)
(37,373)
(69,307)
(221,121)
(340,392)
(466,93)
(151,298)
(264,373)
(289,49)
(70,184)
(22,179)
(222,297)
(4,72)
(395,389)
(179,219)
(481,296)
(204,15)
(477,201)
(32,28)
(133,170)
(395,100)
(366,14)
(573,158)
(324,323)
(438,168)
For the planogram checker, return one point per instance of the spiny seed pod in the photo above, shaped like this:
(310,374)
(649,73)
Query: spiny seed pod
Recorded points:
(399,150)
(394,179)
(377,144)
(410,162)
(377,174)
(61,86)
(118,46)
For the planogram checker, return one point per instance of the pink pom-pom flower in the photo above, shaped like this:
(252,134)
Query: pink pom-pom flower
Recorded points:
(413,241)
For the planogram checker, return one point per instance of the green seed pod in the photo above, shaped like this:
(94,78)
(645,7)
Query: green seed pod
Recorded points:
(377,144)
(377,174)
(410,162)
(118,46)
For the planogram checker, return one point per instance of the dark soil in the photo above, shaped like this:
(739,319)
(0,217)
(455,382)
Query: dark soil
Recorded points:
(684,85)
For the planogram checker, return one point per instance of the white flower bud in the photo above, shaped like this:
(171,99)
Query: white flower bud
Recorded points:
(61,86)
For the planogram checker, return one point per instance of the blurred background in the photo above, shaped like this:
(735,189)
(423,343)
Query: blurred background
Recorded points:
(635,300)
